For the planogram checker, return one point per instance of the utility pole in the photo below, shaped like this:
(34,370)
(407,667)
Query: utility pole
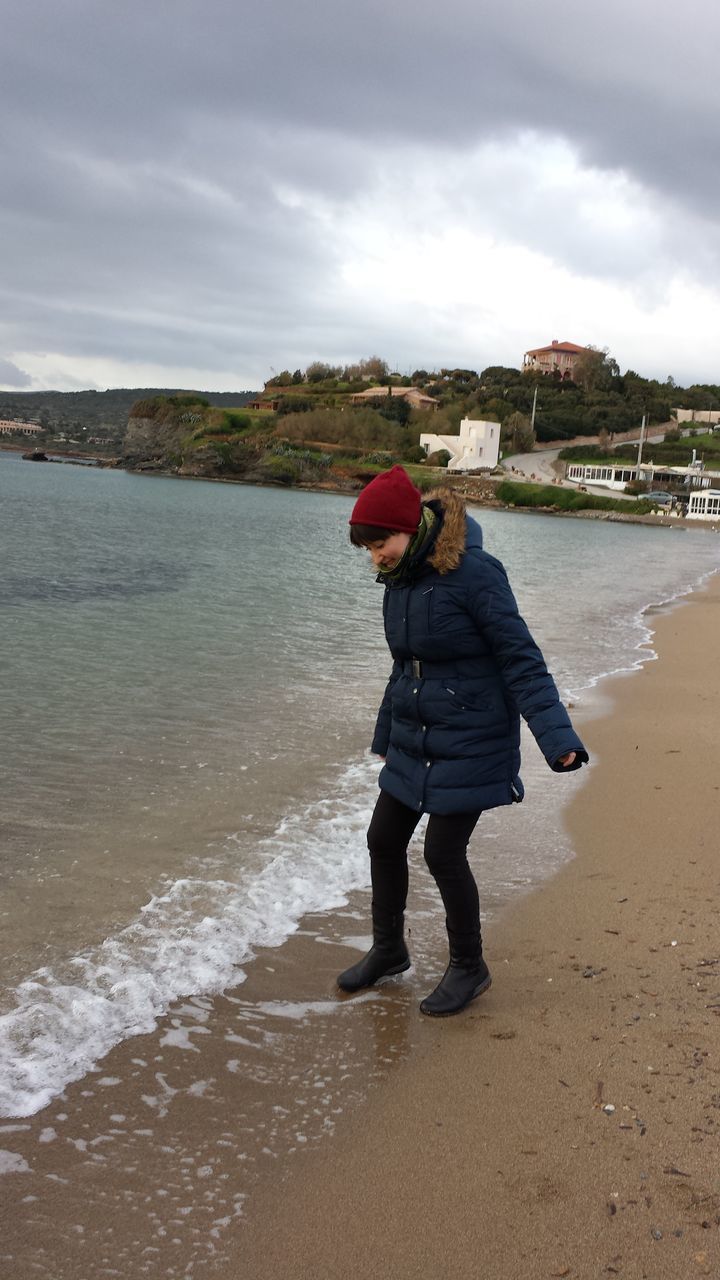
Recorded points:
(532,419)
(642,437)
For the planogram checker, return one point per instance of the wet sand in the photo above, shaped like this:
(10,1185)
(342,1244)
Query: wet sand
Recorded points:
(565,1125)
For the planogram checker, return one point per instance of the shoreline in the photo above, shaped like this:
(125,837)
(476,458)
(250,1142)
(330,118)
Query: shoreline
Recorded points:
(491,1123)
(472,495)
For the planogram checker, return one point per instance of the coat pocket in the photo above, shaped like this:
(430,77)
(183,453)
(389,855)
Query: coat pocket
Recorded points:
(467,700)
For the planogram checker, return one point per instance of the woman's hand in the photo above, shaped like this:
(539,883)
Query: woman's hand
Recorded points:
(567,760)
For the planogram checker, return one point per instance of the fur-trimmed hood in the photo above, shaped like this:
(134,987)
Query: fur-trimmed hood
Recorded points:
(452,540)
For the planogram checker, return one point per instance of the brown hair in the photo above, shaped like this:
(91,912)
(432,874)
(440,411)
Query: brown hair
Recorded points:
(362,534)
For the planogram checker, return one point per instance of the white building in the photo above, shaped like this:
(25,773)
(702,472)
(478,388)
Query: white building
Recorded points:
(476,448)
(8,428)
(704,505)
(617,475)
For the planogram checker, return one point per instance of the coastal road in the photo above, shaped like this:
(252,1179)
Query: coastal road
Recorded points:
(538,467)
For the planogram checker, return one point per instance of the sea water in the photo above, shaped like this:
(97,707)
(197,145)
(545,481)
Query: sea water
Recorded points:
(189,676)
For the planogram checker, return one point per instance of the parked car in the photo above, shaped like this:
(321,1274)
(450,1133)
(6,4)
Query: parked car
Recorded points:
(658,496)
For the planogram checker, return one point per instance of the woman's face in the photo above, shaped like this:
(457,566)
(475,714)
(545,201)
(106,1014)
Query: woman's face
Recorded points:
(386,552)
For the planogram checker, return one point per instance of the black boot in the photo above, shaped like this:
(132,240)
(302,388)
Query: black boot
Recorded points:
(466,977)
(388,955)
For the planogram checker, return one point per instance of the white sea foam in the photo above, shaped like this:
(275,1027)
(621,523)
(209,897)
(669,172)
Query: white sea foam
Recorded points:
(11,1162)
(300,1010)
(62,1026)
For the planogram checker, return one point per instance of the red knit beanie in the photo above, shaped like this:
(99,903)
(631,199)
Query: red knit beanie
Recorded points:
(390,501)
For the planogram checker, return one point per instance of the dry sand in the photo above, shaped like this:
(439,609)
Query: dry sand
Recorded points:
(483,1148)
(567,1125)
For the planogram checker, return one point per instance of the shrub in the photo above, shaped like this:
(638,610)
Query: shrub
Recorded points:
(278,469)
(312,458)
(187,408)
(584,451)
(237,421)
(188,399)
(531,495)
(394,408)
(359,428)
(295,404)
(379,457)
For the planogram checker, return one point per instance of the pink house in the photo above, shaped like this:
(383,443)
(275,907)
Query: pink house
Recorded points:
(415,398)
(558,357)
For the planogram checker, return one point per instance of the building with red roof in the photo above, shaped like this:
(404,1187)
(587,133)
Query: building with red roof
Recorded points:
(558,357)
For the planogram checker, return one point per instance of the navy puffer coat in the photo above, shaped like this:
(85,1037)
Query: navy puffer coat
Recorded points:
(465,668)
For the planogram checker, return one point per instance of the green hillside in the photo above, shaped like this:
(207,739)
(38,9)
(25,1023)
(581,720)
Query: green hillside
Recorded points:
(80,415)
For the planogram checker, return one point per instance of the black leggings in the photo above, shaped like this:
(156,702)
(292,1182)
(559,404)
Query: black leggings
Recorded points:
(446,842)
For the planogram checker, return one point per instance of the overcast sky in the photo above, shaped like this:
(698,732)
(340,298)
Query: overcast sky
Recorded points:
(198,193)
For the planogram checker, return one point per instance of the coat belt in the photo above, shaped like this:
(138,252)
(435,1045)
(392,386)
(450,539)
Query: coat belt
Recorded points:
(422,670)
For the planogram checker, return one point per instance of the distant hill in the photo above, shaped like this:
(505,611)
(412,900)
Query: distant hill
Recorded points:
(80,414)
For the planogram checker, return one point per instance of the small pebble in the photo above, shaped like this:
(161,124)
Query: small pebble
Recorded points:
(608,1108)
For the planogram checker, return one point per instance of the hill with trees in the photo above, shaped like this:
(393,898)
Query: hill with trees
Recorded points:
(305,427)
(599,399)
(84,416)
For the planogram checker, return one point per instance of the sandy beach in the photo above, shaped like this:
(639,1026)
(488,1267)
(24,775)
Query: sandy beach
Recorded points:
(565,1125)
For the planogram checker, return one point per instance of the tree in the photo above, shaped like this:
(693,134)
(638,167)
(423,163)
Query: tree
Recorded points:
(394,408)
(459,375)
(594,370)
(518,433)
(318,371)
(294,404)
(501,373)
(374,367)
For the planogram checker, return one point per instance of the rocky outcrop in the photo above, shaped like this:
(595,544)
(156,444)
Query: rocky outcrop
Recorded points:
(172,447)
(147,441)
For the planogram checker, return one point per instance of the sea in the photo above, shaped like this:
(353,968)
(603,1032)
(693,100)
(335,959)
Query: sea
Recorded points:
(189,677)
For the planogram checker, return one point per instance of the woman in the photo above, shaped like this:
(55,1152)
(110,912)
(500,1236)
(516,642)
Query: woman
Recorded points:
(465,667)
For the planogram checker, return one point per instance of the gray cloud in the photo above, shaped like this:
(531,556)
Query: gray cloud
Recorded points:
(178,175)
(11,376)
